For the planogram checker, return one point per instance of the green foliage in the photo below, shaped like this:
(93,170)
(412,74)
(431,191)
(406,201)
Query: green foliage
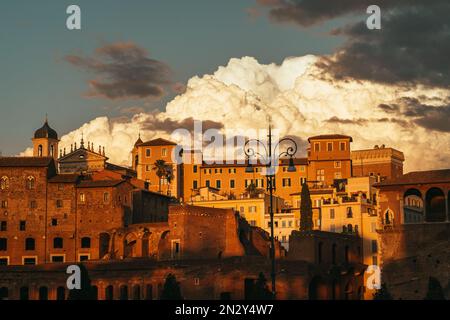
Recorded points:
(171,289)
(306,213)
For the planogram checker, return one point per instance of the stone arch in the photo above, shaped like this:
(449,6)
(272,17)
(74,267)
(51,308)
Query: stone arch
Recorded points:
(130,245)
(24,293)
(318,289)
(60,293)
(388,217)
(123,292)
(109,293)
(413,207)
(136,292)
(435,205)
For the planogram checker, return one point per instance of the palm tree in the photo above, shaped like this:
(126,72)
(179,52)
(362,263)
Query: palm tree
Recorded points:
(160,167)
(169,176)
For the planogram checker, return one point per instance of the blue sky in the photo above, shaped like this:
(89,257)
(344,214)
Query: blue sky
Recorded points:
(192,37)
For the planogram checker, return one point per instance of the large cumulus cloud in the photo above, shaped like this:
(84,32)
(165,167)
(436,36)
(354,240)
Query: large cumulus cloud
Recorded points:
(301,101)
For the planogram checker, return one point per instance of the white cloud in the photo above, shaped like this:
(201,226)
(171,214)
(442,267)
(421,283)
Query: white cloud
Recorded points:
(298,98)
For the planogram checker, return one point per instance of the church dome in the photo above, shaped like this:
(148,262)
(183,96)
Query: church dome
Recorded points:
(46,132)
(138,141)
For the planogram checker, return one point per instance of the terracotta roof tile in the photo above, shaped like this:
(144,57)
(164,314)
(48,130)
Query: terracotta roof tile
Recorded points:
(419,177)
(157,142)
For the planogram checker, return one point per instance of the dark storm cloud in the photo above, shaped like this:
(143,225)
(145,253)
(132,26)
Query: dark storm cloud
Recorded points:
(358,121)
(430,117)
(169,125)
(412,47)
(309,12)
(123,70)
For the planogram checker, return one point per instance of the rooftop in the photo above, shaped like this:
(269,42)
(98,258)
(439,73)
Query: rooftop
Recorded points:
(157,142)
(25,161)
(330,137)
(418,177)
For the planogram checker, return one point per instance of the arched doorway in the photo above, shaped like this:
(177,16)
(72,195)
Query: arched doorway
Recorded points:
(123,292)
(435,205)
(60,293)
(43,293)
(413,206)
(109,292)
(4,293)
(129,244)
(318,289)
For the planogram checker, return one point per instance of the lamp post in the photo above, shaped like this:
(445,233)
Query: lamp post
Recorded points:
(271,161)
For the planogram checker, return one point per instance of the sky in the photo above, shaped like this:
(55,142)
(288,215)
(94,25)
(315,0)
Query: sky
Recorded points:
(152,65)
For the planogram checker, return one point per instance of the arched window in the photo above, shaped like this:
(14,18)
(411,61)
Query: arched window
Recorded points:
(4,183)
(435,205)
(349,228)
(123,292)
(136,162)
(30,244)
(43,293)
(58,243)
(24,293)
(4,293)
(60,293)
(136,292)
(52,150)
(109,293)
(85,242)
(30,182)
(349,212)
(82,198)
(40,150)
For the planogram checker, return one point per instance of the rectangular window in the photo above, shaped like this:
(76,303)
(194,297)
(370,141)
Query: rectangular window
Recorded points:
(29,260)
(331,213)
(195,184)
(147,152)
(194,169)
(276,224)
(286,182)
(207,183)
(54,222)
(302,181)
(316,146)
(283,224)
(374,246)
(33,204)
(218,184)
(176,249)
(338,175)
(232,184)
(342,146)
(82,198)
(59,203)
(337,164)
(57,258)
(3,226)
(106,197)
(83,257)
(4,261)
(290,224)
(283,238)
(164,152)
(4,204)
(329,146)
(22,225)
(252,209)
(3,244)
(148,168)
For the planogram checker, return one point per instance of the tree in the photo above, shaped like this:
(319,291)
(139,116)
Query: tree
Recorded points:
(251,190)
(162,169)
(435,291)
(87,291)
(171,289)
(260,290)
(382,293)
(306,214)
(169,176)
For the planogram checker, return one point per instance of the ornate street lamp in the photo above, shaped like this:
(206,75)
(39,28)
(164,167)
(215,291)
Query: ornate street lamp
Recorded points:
(271,161)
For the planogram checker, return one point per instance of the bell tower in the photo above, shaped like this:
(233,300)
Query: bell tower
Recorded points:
(45,142)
